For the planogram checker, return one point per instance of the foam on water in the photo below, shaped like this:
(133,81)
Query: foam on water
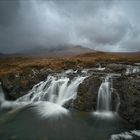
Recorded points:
(49,110)
(104,114)
(136,132)
(126,135)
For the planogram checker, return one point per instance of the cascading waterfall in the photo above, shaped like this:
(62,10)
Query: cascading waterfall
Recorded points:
(49,96)
(55,89)
(104,96)
(53,93)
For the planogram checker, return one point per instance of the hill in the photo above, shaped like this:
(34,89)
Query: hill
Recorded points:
(55,52)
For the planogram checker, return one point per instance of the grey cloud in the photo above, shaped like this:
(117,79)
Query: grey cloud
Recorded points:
(8,11)
(102,25)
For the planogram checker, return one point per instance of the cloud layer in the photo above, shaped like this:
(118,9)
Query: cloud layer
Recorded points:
(106,25)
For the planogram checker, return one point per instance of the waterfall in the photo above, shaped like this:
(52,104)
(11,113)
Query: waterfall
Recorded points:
(57,89)
(2,98)
(104,99)
(104,95)
(50,95)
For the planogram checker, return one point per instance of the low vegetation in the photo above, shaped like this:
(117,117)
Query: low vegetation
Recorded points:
(25,64)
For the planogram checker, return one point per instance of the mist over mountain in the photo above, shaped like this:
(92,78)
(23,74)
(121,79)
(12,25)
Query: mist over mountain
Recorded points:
(60,51)
(104,25)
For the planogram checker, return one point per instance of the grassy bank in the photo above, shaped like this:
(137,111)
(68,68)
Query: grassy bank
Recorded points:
(22,64)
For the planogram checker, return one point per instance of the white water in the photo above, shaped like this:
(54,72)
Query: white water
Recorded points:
(2,98)
(104,96)
(52,94)
(104,99)
(49,96)
(101,68)
(50,110)
(132,69)
(126,135)
(56,89)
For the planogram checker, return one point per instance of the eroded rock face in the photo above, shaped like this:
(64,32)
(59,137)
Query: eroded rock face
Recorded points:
(87,94)
(17,85)
(128,88)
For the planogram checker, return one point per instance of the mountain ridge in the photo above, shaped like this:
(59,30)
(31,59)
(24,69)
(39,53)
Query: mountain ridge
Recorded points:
(55,52)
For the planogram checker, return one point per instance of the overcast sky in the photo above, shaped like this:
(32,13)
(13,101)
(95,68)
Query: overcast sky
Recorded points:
(106,25)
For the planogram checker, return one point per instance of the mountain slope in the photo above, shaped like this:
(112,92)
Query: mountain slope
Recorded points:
(56,52)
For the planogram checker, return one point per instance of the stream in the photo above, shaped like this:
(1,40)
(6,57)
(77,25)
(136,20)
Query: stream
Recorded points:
(41,114)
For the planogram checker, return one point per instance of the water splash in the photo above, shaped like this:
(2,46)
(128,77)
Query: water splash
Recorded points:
(50,110)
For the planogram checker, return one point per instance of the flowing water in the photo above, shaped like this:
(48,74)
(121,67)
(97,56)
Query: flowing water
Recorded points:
(40,114)
(104,96)
(132,69)
(104,99)
(56,89)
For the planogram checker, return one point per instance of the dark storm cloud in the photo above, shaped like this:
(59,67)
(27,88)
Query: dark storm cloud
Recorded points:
(8,11)
(103,25)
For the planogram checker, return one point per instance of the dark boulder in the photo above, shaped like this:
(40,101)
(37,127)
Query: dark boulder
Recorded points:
(16,85)
(113,67)
(87,94)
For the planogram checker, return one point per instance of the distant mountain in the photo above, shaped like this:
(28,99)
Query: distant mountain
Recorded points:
(56,52)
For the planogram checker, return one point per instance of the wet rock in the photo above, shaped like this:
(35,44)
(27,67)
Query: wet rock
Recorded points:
(68,104)
(97,65)
(128,88)
(17,85)
(115,100)
(87,94)
(115,67)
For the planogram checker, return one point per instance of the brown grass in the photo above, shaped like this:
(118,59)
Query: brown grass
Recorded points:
(21,64)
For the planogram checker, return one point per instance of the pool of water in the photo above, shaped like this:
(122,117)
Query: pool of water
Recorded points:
(28,124)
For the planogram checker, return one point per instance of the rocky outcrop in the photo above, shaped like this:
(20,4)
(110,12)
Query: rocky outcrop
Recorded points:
(128,88)
(17,85)
(117,68)
(87,94)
